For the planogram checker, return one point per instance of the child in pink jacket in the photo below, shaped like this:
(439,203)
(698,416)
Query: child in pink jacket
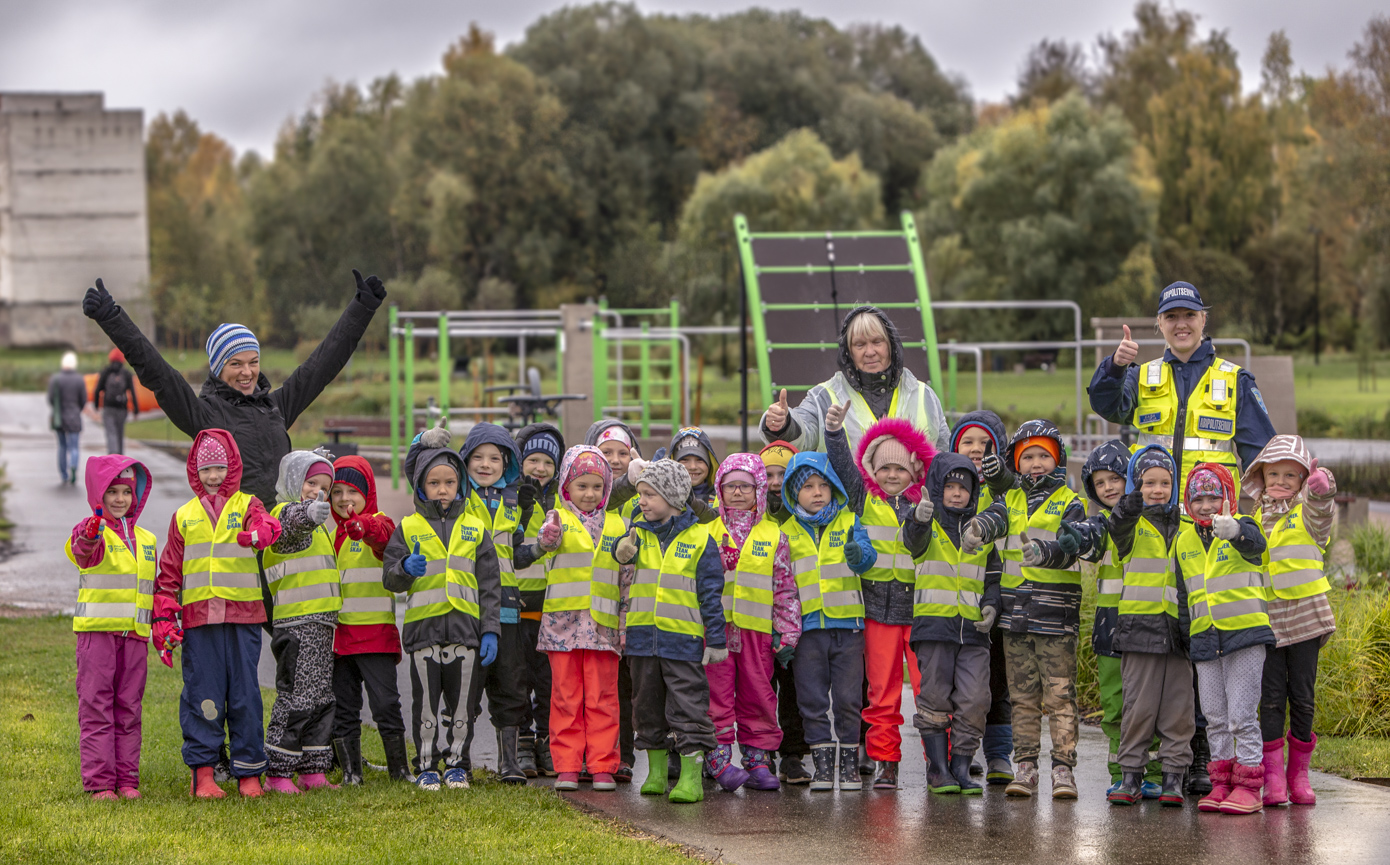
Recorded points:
(116,563)
(762,616)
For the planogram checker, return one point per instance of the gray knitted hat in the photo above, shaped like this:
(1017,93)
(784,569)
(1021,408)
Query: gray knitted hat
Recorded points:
(670,479)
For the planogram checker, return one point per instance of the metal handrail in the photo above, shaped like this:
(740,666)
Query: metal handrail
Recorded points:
(656,334)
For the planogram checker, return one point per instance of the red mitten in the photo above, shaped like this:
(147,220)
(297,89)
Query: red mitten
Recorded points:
(550,533)
(91,527)
(728,554)
(166,634)
(354,527)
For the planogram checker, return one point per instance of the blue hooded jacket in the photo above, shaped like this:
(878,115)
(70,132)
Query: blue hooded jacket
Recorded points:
(798,470)
(502,492)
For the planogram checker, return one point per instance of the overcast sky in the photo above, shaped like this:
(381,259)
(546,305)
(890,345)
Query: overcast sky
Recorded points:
(241,67)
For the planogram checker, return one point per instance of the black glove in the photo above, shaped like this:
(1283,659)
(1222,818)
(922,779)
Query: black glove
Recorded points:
(1068,539)
(99,305)
(370,292)
(854,553)
(1129,507)
(992,467)
(527,492)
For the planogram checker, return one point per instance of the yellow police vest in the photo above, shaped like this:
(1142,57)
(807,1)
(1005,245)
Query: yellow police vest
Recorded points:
(1109,575)
(1223,589)
(500,524)
(579,576)
(1210,428)
(532,579)
(1150,585)
(1041,526)
(886,534)
(118,593)
(366,600)
(748,591)
(663,592)
(304,582)
(948,584)
(450,581)
(912,407)
(1293,559)
(214,564)
(824,580)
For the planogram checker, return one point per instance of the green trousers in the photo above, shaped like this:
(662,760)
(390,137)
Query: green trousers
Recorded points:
(1112,702)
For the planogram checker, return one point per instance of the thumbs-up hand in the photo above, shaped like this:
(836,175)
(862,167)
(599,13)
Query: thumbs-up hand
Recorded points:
(1128,350)
(835,416)
(438,436)
(319,509)
(924,510)
(1032,550)
(1225,526)
(548,538)
(1319,481)
(355,528)
(91,527)
(635,469)
(777,413)
(626,550)
(728,553)
(414,564)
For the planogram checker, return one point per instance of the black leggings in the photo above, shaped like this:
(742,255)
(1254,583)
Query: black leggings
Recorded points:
(1289,677)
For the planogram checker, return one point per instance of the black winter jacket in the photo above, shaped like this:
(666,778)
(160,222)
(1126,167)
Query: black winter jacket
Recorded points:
(1160,633)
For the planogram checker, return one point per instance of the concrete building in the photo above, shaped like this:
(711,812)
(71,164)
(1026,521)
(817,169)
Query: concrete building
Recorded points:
(72,208)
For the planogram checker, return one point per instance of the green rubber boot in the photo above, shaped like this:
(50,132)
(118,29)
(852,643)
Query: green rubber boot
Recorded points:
(655,785)
(691,786)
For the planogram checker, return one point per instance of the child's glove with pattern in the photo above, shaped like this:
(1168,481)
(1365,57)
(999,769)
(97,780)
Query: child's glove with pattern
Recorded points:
(548,538)
(728,554)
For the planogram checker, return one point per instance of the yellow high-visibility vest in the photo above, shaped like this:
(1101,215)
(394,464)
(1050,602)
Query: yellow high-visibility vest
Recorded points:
(949,584)
(748,591)
(912,407)
(117,594)
(663,592)
(450,581)
(1224,590)
(580,576)
(824,580)
(1294,559)
(885,531)
(1042,525)
(500,524)
(1150,584)
(366,600)
(1109,575)
(214,564)
(304,582)
(1210,428)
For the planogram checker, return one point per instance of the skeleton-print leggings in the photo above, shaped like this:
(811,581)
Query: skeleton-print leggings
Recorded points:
(440,677)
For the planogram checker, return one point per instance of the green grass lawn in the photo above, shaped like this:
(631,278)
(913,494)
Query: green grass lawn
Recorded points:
(47,817)
(1353,757)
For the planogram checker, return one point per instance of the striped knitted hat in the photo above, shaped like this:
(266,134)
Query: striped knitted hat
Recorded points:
(227,340)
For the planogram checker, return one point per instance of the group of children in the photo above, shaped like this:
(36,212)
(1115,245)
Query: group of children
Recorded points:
(682,606)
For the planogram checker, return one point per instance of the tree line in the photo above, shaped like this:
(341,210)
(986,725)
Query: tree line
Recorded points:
(606,152)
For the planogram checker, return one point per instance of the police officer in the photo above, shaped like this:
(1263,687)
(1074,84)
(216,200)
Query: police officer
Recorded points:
(1212,402)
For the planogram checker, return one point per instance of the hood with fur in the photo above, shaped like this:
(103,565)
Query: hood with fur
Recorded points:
(910,437)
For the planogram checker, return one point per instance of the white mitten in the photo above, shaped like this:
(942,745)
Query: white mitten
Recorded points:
(922,513)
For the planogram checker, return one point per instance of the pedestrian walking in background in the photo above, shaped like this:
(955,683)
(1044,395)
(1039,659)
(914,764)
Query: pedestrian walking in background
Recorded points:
(67,394)
(115,396)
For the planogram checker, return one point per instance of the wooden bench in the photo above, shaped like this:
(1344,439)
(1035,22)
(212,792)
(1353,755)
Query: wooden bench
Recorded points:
(367,427)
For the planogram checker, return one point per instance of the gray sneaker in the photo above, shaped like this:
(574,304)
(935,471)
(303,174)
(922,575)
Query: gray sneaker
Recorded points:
(1025,782)
(1063,784)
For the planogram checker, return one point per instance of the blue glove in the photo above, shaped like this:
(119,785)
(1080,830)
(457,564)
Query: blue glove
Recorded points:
(854,554)
(414,564)
(487,650)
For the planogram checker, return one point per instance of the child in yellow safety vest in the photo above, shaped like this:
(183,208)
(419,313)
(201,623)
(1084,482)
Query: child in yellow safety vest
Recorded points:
(675,624)
(955,603)
(578,633)
(775,458)
(791,769)
(691,447)
(301,572)
(883,482)
(443,558)
(209,577)
(1151,631)
(1220,558)
(1294,506)
(116,565)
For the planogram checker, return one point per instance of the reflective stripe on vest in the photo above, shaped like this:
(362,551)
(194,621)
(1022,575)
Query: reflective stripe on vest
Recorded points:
(908,403)
(886,534)
(532,579)
(748,597)
(1223,589)
(947,583)
(1293,558)
(824,580)
(214,564)
(1109,575)
(667,582)
(1150,585)
(1210,427)
(580,577)
(449,582)
(304,582)
(500,524)
(117,594)
(1041,525)
(366,601)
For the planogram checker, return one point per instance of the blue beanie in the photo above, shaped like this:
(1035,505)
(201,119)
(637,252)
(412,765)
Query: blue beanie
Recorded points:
(227,340)
(542,443)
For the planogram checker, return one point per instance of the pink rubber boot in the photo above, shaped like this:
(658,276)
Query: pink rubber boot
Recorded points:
(276,784)
(1276,790)
(1300,754)
(315,781)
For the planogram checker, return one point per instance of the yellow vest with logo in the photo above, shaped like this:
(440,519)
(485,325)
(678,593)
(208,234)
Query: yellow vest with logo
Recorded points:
(214,564)
(1150,584)
(1109,575)
(1293,559)
(886,534)
(663,592)
(748,595)
(1041,526)
(579,576)
(450,582)
(118,593)
(824,580)
(949,584)
(912,407)
(1210,429)
(366,601)
(1224,590)
(304,582)
(500,524)
(532,579)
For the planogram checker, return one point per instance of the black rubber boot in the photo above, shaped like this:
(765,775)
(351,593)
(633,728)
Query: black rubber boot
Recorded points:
(824,758)
(849,769)
(793,770)
(939,777)
(349,754)
(887,776)
(1130,789)
(1198,781)
(1172,790)
(544,765)
(673,765)
(397,762)
(526,753)
(508,765)
(866,765)
(960,770)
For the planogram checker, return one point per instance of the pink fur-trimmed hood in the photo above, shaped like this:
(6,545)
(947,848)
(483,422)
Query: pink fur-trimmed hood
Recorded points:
(911,438)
